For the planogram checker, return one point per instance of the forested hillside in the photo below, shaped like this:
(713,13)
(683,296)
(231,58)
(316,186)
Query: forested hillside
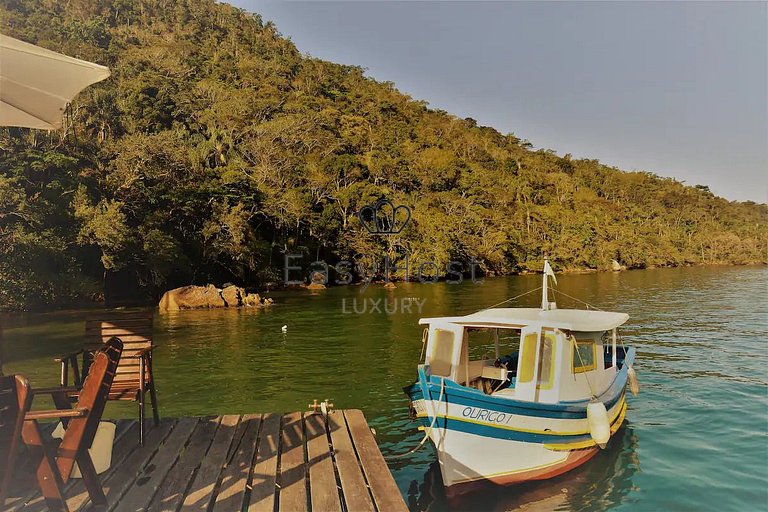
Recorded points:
(216,147)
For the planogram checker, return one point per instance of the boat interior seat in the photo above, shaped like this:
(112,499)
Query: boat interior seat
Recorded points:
(474,371)
(486,377)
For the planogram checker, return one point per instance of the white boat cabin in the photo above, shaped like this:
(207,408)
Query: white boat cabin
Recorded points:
(529,354)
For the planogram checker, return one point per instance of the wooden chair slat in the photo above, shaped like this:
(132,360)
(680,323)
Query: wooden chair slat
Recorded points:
(139,334)
(134,329)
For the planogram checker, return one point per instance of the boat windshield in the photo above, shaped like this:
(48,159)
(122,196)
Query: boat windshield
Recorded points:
(492,343)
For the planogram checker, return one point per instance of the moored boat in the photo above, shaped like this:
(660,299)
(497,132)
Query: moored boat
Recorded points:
(509,395)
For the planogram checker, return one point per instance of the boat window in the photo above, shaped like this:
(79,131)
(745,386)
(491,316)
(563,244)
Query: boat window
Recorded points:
(547,362)
(442,353)
(584,356)
(528,358)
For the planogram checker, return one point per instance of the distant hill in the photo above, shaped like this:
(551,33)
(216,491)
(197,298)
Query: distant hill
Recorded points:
(216,147)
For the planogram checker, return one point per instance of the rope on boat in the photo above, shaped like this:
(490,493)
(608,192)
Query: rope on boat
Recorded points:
(577,300)
(576,349)
(513,298)
(428,430)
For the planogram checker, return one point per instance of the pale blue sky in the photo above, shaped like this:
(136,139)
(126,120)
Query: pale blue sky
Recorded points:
(678,89)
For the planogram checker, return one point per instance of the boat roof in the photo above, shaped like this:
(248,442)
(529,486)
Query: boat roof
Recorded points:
(582,320)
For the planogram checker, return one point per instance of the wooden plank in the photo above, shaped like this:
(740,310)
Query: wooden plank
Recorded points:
(127,336)
(150,476)
(386,494)
(125,394)
(324,492)
(115,483)
(292,479)
(254,463)
(139,331)
(173,489)
(357,497)
(130,342)
(260,495)
(234,480)
(203,486)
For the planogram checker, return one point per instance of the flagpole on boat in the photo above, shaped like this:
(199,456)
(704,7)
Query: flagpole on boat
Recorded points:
(544,298)
(545,304)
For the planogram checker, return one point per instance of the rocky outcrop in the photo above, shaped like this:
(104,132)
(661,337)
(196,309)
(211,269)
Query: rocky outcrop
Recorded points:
(318,282)
(233,295)
(197,297)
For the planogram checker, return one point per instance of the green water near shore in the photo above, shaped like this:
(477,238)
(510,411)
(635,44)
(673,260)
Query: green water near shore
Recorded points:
(696,438)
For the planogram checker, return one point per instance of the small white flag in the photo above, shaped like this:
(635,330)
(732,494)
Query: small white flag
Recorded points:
(548,270)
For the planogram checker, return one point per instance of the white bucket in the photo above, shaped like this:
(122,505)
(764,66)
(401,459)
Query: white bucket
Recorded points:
(101,449)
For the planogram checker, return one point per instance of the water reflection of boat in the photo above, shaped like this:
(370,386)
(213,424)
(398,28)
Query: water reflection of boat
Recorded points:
(600,485)
(541,410)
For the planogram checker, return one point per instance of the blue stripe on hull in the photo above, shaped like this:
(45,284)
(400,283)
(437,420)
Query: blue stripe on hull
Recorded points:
(453,393)
(503,433)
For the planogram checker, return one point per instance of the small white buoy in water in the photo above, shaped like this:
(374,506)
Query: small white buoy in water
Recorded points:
(634,386)
(285,328)
(599,426)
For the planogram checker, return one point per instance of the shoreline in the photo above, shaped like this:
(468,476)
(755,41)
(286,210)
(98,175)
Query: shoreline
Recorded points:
(88,305)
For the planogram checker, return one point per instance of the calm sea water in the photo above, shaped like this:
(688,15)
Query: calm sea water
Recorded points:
(696,438)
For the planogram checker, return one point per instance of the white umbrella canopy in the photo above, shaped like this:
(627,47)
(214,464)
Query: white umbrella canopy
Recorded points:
(37,84)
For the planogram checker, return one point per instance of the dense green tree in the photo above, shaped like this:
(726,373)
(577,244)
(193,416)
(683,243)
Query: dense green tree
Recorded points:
(216,148)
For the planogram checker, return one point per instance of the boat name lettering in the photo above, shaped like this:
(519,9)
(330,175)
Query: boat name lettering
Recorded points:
(474,413)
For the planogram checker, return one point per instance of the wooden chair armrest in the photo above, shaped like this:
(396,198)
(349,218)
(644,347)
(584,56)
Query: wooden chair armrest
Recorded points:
(143,352)
(53,390)
(52,414)
(88,347)
(65,357)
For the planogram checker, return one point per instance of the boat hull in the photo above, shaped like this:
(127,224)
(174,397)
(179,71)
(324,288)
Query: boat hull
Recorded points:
(486,440)
(458,482)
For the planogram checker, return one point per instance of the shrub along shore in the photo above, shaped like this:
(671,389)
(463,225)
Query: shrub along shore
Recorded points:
(216,148)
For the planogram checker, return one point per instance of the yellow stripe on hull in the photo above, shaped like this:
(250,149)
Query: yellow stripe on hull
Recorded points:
(619,414)
(589,443)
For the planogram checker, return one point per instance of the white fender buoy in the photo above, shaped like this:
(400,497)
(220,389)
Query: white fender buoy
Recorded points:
(634,386)
(599,426)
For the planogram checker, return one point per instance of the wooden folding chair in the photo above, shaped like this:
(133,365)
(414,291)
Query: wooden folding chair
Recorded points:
(14,403)
(56,463)
(134,374)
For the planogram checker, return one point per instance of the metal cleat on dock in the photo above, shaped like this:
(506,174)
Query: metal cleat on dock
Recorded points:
(324,407)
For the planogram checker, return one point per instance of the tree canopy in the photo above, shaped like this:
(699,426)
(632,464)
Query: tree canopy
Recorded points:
(216,148)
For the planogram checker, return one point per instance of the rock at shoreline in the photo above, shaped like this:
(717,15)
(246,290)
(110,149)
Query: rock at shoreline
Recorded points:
(317,281)
(199,297)
(190,297)
(616,266)
(233,295)
(253,299)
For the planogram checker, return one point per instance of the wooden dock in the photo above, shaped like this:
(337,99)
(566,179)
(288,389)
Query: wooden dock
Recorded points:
(258,462)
